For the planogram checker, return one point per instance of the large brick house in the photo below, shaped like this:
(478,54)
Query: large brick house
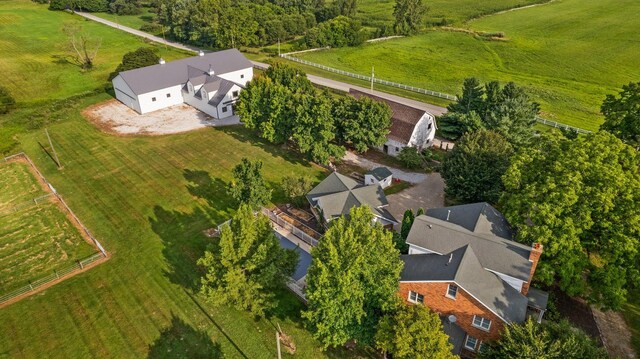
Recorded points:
(464,265)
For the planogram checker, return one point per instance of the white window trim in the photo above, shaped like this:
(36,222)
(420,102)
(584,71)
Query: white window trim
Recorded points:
(416,301)
(449,296)
(482,320)
(466,340)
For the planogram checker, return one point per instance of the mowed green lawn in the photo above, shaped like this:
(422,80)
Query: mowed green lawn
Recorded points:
(18,185)
(148,199)
(34,62)
(569,54)
(133,21)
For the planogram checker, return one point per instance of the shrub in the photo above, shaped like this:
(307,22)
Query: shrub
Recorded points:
(7,102)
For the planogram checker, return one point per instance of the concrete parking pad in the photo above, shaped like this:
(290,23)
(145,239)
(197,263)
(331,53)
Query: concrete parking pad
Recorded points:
(114,117)
(426,194)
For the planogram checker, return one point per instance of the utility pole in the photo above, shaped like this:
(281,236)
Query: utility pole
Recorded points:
(278,47)
(55,155)
(372,76)
(278,343)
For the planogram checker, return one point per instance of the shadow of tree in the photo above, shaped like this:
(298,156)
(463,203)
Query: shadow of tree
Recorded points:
(180,340)
(184,243)
(213,190)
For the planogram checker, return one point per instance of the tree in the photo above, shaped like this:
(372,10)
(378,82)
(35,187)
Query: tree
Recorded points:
(346,7)
(622,114)
(471,99)
(295,188)
(420,212)
(453,125)
(473,171)
(363,123)
(549,340)
(248,185)
(141,57)
(413,331)
(125,7)
(81,47)
(581,199)
(7,102)
(352,281)
(246,264)
(407,222)
(411,158)
(290,77)
(409,16)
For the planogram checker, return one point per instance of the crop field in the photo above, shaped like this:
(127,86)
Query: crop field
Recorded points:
(35,239)
(568,54)
(33,72)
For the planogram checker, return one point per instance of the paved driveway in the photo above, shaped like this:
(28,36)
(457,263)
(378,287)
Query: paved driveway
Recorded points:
(426,194)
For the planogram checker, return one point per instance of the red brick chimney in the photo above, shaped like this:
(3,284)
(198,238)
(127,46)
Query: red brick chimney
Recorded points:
(534,257)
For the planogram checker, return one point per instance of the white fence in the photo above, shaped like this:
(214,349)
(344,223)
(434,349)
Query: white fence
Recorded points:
(293,229)
(414,89)
(56,275)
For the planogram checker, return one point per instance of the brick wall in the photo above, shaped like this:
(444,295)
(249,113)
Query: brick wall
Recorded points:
(534,258)
(464,307)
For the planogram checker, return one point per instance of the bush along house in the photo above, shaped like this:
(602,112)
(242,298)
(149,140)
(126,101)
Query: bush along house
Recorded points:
(464,265)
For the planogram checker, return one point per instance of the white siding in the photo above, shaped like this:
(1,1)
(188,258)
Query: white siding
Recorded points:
(413,249)
(124,94)
(227,102)
(393,147)
(514,282)
(162,101)
(423,134)
(202,105)
(370,180)
(237,76)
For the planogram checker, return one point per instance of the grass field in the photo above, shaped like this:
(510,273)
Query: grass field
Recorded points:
(33,72)
(148,199)
(456,12)
(133,21)
(631,313)
(37,239)
(583,50)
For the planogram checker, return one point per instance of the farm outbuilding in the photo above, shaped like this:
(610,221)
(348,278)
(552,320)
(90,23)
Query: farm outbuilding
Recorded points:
(381,176)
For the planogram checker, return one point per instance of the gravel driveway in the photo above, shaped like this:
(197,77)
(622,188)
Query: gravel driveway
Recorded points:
(427,194)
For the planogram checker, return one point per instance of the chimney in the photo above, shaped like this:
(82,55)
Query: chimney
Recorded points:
(200,53)
(448,214)
(211,72)
(162,62)
(534,257)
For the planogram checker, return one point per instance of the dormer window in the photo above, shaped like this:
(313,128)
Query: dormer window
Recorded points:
(452,291)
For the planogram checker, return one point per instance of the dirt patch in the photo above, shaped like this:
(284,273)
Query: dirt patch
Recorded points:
(114,117)
(616,336)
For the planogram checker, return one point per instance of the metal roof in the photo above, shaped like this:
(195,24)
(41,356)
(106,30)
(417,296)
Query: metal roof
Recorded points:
(380,173)
(174,73)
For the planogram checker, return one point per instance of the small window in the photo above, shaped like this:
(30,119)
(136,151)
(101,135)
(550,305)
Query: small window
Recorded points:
(242,76)
(470,343)
(482,323)
(415,297)
(429,126)
(397,149)
(224,109)
(235,93)
(168,95)
(153,99)
(452,291)
(482,346)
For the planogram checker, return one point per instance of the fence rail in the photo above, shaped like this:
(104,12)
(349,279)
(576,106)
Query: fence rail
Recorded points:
(293,229)
(56,275)
(25,204)
(413,88)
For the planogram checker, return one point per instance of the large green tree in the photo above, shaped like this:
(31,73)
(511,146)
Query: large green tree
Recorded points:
(580,198)
(248,186)
(622,114)
(409,16)
(413,331)
(473,170)
(246,264)
(549,340)
(141,57)
(362,123)
(507,110)
(295,188)
(352,281)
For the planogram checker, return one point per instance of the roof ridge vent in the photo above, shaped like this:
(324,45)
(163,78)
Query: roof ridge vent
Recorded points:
(448,214)
(211,72)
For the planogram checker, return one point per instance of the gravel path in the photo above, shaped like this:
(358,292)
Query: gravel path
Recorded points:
(411,177)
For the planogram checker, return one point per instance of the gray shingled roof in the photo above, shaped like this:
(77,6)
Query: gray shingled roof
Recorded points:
(337,194)
(380,173)
(495,253)
(477,217)
(463,268)
(538,298)
(223,88)
(173,73)
(456,334)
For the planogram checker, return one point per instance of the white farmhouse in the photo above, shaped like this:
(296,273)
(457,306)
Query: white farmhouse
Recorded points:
(209,82)
(410,126)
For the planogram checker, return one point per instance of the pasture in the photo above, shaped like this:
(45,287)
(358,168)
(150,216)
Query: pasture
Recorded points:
(568,54)
(35,239)
(35,65)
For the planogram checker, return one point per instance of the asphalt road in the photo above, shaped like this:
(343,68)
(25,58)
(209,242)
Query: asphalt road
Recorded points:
(321,81)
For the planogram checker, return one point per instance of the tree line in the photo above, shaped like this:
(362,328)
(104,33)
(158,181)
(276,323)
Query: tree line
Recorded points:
(284,107)
(579,196)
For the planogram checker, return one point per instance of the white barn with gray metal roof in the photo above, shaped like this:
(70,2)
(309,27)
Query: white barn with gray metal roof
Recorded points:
(209,82)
